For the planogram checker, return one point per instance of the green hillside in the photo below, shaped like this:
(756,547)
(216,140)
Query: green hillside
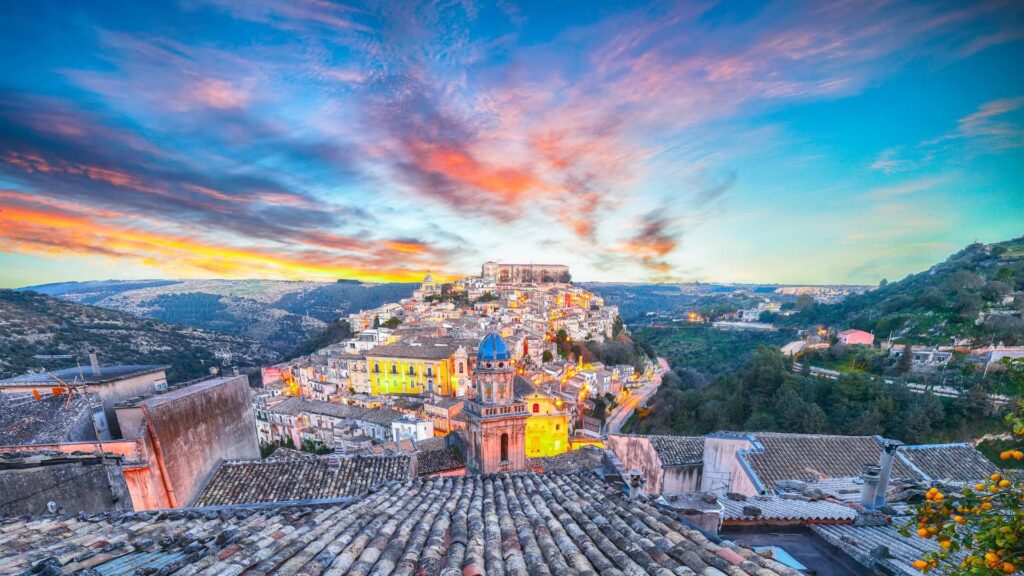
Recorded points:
(962,297)
(33,324)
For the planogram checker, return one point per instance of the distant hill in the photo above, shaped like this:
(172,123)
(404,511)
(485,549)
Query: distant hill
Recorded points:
(34,324)
(977,293)
(280,314)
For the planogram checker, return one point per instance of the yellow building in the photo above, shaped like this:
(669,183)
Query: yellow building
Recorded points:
(547,426)
(417,367)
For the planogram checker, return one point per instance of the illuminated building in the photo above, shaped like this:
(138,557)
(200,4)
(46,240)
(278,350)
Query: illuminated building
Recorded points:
(416,367)
(497,422)
(547,426)
(525,273)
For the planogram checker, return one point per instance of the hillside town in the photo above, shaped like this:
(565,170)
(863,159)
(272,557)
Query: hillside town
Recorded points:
(410,367)
(447,421)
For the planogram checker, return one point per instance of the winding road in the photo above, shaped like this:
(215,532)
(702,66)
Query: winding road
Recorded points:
(623,411)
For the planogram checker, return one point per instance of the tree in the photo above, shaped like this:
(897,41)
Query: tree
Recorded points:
(906,360)
(617,326)
(392,323)
(883,283)
(547,356)
(804,301)
(985,521)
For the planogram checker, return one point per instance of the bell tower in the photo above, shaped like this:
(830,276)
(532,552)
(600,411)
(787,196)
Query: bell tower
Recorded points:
(497,427)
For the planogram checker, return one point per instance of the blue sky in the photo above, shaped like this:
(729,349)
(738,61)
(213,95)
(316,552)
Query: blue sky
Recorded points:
(743,141)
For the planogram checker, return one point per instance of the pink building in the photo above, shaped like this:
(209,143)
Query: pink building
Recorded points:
(497,421)
(856,337)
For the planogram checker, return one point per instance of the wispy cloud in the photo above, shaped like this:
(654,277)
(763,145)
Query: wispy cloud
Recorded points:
(391,133)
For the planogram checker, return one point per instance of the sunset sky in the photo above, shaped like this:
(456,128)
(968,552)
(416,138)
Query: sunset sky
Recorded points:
(740,141)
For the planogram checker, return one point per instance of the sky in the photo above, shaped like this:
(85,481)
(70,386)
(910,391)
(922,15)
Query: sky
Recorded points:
(819,142)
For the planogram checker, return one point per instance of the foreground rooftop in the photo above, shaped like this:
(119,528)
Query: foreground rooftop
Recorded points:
(84,375)
(523,524)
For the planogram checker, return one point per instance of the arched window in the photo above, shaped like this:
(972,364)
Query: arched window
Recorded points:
(504,447)
(376,367)
(430,370)
(394,369)
(412,370)
(460,368)
(536,408)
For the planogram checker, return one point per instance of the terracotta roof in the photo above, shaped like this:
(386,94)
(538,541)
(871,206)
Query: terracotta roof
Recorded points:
(950,462)
(262,481)
(438,460)
(524,524)
(25,420)
(521,387)
(289,455)
(679,450)
(294,406)
(426,350)
(581,459)
(815,456)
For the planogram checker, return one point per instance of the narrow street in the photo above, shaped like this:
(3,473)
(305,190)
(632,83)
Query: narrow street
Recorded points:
(623,411)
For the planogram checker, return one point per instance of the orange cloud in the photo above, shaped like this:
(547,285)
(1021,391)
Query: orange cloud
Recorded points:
(651,243)
(52,228)
(508,185)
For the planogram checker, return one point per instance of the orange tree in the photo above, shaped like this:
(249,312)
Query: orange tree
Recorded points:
(980,529)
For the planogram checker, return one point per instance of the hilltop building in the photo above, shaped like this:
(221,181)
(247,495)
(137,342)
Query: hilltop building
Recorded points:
(525,273)
(497,422)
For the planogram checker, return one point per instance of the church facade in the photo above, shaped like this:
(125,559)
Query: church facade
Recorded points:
(497,428)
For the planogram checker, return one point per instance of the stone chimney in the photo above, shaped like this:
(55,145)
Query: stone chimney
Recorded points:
(94,361)
(634,484)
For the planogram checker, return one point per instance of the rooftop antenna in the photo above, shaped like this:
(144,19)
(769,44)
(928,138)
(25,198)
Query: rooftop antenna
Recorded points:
(81,390)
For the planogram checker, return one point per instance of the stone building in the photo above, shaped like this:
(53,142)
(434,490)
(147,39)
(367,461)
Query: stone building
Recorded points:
(497,427)
(110,383)
(169,444)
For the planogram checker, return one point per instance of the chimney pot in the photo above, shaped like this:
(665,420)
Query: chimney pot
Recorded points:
(94,362)
(885,459)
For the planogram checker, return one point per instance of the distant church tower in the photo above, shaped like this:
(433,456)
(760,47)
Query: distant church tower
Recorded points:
(497,425)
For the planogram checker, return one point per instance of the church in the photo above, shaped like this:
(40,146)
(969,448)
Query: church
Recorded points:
(496,441)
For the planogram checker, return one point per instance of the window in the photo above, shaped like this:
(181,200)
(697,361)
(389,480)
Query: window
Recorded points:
(412,370)
(376,367)
(460,368)
(558,427)
(504,447)
(536,408)
(394,369)
(430,370)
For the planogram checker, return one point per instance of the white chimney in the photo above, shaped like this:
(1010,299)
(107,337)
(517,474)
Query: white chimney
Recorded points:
(94,361)
(889,448)
(869,491)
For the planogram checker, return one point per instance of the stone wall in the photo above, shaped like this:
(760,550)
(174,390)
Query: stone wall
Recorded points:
(636,453)
(76,486)
(722,469)
(680,479)
(198,427)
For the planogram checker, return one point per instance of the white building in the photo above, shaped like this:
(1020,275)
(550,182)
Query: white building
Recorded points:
(410,427)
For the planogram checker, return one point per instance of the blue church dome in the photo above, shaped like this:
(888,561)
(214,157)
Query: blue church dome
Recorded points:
(493,348)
